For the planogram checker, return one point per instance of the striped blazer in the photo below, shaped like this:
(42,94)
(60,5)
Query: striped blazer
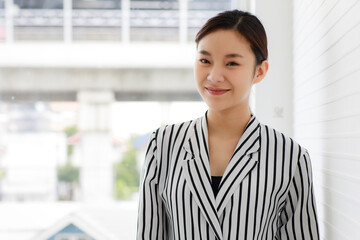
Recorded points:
(266,191)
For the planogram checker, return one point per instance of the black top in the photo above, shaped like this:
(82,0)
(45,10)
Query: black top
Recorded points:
(215,182)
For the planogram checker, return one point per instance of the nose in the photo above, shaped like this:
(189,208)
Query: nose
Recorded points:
(215,75)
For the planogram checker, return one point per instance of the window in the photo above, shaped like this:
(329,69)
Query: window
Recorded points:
(81,89)
(74,236)
(2,21)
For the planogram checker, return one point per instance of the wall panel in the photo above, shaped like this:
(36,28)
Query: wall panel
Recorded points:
(327,108)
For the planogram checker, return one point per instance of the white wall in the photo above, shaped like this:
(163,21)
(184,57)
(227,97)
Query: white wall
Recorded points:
(327,108)
(274,104)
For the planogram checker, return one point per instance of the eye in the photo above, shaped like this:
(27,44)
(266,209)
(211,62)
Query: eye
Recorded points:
(232,64)
(204,60)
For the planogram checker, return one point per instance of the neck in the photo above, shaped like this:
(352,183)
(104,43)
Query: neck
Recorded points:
(228,123)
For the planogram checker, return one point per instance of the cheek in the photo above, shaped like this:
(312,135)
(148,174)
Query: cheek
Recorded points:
(199,74)
(242,83)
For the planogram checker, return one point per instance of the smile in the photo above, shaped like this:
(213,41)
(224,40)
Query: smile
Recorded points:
(216,91)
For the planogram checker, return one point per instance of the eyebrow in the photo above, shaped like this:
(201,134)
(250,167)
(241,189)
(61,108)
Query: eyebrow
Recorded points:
(230,55)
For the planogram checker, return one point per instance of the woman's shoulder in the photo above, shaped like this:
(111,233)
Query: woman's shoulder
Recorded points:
(276,137)
(172,132)
(168,139)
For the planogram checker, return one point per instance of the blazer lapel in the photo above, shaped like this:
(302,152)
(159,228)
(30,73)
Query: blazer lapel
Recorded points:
(197,175)
(240,165)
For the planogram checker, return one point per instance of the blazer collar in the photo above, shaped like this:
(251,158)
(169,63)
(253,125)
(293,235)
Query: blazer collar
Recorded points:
(197,169)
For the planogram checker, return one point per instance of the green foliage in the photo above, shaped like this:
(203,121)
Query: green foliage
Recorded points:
(70,150)
(127,176)
(2,174)
(70,131)
(123,191)
(68,173)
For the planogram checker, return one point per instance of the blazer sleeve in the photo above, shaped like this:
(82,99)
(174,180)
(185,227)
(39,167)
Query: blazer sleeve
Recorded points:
(298,218)
(151,222)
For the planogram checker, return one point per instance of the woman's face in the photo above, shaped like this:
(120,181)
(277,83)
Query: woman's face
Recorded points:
(225,70)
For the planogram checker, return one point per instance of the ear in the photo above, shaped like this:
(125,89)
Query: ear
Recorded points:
(260,71)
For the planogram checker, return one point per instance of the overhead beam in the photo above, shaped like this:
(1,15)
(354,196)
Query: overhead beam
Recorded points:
(120,96)
(62,84)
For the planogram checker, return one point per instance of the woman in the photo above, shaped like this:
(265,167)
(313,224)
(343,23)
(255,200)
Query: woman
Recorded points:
(225,175)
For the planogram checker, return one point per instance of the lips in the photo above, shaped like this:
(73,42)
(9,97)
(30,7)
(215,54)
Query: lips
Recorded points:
(216,91)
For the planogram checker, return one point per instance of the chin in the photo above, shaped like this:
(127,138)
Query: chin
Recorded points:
(217,106)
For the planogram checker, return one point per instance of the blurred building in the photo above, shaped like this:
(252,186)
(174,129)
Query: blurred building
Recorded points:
(33,152)
(68,220)
(94,75)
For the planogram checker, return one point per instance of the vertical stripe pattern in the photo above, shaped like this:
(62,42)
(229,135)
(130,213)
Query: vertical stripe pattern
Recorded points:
(266,191)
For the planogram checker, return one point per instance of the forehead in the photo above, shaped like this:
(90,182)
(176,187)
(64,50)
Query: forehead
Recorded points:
(225,41)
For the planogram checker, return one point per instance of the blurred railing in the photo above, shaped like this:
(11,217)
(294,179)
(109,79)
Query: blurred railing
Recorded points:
(143,20)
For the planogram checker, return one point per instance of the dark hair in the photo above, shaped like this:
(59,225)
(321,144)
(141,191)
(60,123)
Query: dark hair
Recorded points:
(248,25)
